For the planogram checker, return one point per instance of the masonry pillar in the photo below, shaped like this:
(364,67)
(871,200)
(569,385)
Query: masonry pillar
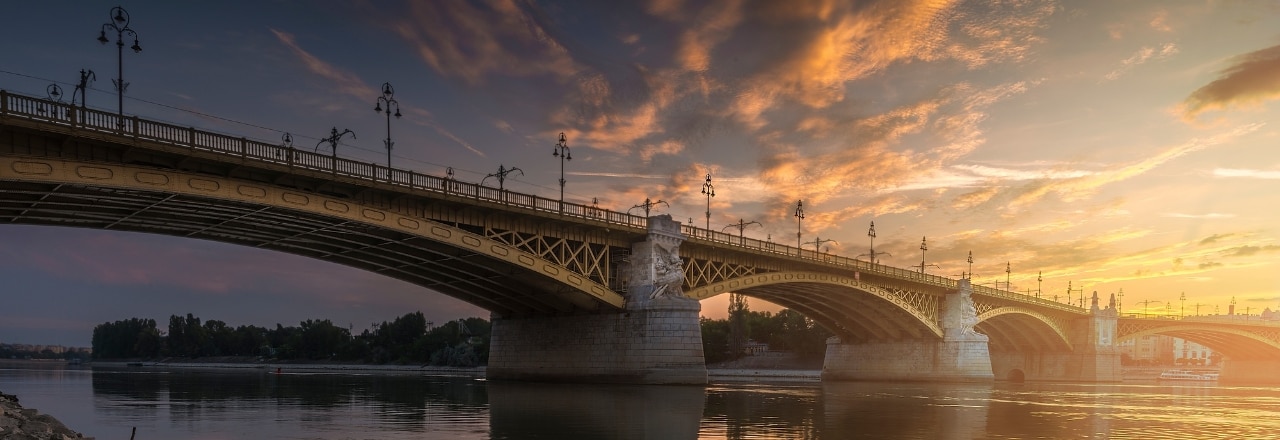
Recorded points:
(655,339)
(1094,356)
(960,356)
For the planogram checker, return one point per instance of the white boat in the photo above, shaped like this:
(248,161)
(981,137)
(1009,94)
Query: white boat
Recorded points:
(1187,375)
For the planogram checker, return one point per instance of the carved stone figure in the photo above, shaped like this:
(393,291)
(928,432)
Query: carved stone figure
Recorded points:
(668,272)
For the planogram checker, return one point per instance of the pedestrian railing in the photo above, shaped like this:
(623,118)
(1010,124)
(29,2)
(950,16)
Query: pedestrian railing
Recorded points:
(75,118)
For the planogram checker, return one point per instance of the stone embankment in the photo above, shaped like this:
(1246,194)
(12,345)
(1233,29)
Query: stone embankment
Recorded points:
(18,423)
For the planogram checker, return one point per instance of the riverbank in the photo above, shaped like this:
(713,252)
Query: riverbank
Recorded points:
(18,423)
(300,368)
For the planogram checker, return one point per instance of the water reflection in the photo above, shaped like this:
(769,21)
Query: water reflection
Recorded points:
(196,399)
(559,411)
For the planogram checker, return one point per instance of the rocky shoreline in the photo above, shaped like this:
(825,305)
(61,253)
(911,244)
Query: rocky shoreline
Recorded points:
(18,423)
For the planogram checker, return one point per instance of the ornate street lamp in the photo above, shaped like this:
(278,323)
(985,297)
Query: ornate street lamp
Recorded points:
(970,260)
(1008,274)
(710,191)
(561,150)
(799,216)
(742,226)
(1183,313)
(501,175)
(923,247)
(86,76)
(333,139)
(1040,279)
(818,242)
(120,23)
(389,98)
(872,233)
(52,93)
(648,204)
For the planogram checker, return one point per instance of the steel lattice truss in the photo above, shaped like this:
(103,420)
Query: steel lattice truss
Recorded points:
(587,259)
(926,303)
(1235,340)
(698,272)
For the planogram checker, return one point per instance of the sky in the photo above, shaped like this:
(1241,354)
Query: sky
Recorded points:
(1110,146)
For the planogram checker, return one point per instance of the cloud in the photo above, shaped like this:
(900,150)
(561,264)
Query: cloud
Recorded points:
(1140,57)
(470,41)
(1208,216)
(1079,188)
(1246,173)
(1214,238)
(346,82)
(1250,79)
(1249,250)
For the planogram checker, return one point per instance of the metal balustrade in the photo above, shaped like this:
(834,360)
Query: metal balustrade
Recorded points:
(85,119)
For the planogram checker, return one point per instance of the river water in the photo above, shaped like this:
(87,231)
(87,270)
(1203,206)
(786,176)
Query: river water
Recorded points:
(253,404)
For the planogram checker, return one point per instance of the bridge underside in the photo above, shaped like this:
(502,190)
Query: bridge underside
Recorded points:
(853,315)
(493,284)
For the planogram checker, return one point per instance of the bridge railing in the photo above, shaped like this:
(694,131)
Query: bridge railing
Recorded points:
(86,119)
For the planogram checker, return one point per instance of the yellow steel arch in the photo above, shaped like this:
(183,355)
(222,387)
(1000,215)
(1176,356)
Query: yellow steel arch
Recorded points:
(1057,329)
(1202,329)
(775,278)
(150,179)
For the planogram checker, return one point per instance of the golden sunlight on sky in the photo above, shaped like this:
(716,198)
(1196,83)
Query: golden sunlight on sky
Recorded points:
(1107,145)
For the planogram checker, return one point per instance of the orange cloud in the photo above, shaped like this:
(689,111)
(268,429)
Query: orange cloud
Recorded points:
(1251,79)
(470,40)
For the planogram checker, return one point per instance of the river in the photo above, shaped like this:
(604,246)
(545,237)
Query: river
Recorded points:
(253,404)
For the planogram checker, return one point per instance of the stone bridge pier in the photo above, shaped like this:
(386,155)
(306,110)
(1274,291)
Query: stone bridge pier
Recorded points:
(655,339)
(1092,356)
(961,354)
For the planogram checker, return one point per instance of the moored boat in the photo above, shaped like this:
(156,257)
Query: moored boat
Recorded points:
(1187,376)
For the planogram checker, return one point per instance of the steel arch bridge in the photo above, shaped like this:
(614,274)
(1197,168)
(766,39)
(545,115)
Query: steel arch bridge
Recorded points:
(1237,340)
(513,254)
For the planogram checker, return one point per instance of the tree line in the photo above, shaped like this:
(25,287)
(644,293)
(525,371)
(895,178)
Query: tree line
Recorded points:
(787,330)
(409,339)
(406,339)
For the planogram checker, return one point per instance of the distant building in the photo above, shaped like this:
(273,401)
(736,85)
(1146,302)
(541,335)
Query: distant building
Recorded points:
(1165,350)
(1190,353)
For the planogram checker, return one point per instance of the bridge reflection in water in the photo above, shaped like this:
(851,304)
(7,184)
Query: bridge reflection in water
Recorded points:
(253,404)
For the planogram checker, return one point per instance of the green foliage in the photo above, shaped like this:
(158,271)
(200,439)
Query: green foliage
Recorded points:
(788,330)
(126,339)
(404,340)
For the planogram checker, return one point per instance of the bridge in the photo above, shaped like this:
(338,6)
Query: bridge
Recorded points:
(576,292)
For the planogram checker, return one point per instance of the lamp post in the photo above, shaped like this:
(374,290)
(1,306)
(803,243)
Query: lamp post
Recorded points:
(923,247)
(333,139)
(1008,274)
(799,216)
(119,23)
(872,255)
(818,242)
(53,93)
(648,204)
(86,76)
(710,191)
(970,260)
(1183,313)
(561,150)
(1040,280)
(501,175)
(742,226)
(389,98)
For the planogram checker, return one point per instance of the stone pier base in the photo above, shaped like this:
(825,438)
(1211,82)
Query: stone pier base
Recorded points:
(919,360)
(660,343)
(1095,367)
